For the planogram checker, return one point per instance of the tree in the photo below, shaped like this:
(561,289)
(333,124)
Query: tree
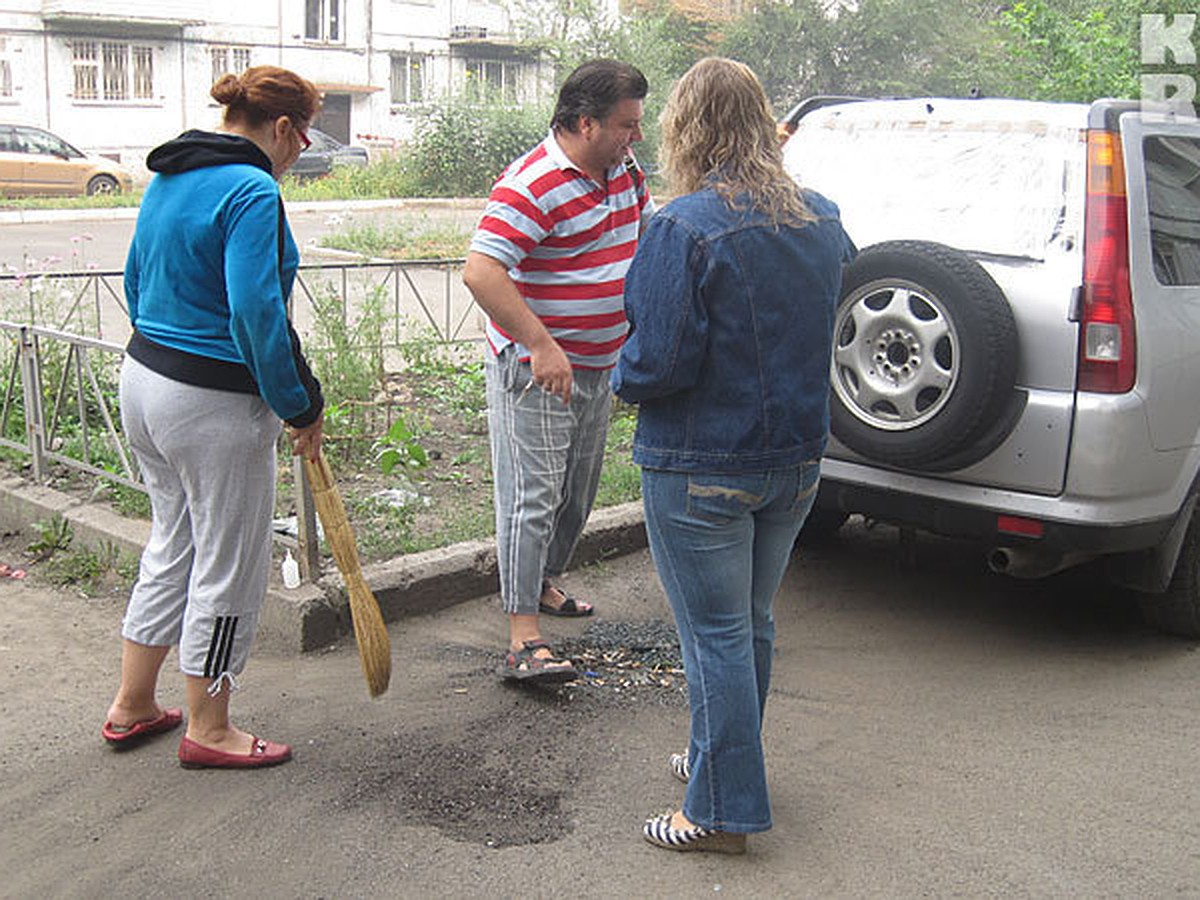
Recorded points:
(800,48)
(1072,51)
(793,47)
(1078,50)
(661,41)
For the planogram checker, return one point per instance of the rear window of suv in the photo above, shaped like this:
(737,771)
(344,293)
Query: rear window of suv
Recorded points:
(984,178)
(1173,189)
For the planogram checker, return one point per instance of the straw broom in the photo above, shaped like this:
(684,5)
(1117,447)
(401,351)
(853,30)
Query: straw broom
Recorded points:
(374,647)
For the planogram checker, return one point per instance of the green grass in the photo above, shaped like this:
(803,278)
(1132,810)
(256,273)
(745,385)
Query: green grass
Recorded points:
(92,571)
(99,201)
(403,241)
(382,179)
(620,479)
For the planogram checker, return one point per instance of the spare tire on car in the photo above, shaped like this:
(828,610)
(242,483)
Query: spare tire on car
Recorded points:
(924,357)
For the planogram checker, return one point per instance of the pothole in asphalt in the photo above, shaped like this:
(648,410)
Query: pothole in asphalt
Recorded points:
(487,789)
(480,792)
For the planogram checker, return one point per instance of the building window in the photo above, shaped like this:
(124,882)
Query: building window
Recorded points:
(408,78)
(6,77)
(111,70)
(116,70)
(323,20)
(87,72)
(228,61)
(143,73)
(489,78)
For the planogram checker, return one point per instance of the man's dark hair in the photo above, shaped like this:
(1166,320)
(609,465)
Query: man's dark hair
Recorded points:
(594,89)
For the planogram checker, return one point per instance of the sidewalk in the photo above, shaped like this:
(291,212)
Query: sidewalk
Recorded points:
(121,213)
(316,615)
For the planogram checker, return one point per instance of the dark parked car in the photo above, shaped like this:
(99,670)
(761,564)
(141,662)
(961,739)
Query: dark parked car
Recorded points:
(324,154)
(341,154)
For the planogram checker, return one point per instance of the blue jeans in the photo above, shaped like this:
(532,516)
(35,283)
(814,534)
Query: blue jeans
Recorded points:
(721,544)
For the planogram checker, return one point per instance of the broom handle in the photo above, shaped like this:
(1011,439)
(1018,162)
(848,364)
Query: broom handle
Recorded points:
(338,534)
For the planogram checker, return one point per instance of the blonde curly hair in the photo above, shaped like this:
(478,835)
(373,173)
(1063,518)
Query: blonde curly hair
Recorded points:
(718,132)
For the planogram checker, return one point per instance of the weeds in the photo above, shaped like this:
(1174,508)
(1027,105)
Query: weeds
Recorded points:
(91,571)
(620,479)
(400,448)
(53,536)
(86,568)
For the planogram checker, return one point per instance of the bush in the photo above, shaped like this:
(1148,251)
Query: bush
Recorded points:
(386,177)
(462,146)
(459,149)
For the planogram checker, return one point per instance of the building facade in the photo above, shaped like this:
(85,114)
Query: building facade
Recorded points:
(117,77)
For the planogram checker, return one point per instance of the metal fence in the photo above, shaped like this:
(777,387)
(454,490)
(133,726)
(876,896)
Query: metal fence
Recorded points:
(60,365)
(77,420)
(423,297)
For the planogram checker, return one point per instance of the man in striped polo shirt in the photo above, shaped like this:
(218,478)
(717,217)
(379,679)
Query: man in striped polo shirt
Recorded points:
(547,264)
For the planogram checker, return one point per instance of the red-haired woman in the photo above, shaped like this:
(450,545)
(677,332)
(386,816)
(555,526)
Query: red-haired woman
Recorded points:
(211,370)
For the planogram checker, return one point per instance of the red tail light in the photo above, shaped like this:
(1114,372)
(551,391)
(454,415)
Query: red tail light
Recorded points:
(1107,342)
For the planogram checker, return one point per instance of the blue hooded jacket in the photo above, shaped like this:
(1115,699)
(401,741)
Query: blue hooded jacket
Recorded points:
(207,275)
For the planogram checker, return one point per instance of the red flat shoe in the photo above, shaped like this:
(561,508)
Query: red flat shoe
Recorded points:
(118,735)
(262,754)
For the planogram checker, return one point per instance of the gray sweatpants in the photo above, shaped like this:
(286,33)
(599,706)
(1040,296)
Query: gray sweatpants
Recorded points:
(208,461)
(546,461)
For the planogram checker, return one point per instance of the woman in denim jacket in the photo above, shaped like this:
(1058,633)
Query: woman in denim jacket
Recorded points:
(730,301)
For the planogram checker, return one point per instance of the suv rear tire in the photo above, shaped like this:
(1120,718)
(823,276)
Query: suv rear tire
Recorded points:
(925,357)
(1177,610)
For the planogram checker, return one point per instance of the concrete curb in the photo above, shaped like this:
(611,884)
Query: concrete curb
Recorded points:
(316,615)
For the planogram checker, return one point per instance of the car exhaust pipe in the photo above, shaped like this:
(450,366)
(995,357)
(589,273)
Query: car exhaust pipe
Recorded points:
(1032,562)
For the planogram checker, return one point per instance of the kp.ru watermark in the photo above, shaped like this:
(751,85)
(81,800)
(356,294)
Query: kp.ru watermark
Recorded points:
(1174,38)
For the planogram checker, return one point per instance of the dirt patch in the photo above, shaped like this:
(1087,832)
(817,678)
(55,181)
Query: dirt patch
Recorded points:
(493,790)
(483,791)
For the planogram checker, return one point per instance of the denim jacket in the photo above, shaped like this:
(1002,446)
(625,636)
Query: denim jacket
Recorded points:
(731,329)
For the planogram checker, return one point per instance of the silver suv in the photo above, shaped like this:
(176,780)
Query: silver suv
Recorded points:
(1017,349)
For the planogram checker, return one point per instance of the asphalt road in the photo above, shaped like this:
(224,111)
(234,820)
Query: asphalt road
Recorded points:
(933,730)
(421,299)
(72,244)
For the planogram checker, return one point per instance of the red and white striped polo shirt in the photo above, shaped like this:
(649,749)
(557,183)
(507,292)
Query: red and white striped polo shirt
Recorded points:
(567,243)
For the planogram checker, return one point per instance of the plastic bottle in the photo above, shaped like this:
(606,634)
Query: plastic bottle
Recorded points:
(291,571)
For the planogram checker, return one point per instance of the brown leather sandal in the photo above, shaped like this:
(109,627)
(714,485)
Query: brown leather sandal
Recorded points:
(522,665)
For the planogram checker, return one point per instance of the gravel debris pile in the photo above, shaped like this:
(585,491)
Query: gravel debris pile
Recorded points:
(627,655)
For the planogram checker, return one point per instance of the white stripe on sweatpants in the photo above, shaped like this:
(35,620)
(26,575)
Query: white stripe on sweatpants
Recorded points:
(208,461)
(546,461)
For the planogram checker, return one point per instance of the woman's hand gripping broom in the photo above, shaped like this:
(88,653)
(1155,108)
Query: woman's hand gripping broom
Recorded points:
(374,647)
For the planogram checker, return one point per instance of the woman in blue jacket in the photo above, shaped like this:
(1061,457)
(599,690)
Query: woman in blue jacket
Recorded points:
(212,368)
(730,300)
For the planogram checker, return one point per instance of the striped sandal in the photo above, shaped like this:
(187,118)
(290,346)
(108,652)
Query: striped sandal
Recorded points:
(680,767)
(659,832)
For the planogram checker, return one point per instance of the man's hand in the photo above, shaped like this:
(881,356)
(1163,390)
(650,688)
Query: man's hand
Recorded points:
(498,296)
(551,370)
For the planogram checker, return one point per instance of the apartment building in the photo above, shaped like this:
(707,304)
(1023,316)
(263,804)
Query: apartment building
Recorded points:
(119,76)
